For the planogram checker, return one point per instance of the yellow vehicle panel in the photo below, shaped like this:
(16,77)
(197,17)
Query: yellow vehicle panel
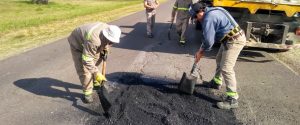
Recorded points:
(290,8)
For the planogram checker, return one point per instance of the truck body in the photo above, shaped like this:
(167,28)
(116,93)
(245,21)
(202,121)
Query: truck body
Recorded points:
(267,23)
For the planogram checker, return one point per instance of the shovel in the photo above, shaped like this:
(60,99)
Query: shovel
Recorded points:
(187,82)
(103,93)
(169,31)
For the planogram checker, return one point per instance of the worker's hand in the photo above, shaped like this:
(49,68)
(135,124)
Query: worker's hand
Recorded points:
(150,7)
(198,55)
(155,5)
(103,54)
(99,77)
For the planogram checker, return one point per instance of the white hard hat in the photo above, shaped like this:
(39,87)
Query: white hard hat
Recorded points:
(112,33)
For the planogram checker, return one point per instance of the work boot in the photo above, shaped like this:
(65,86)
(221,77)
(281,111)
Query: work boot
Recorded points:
(88,98)
(229,103)
(182,42)
(212,84)
(150,35)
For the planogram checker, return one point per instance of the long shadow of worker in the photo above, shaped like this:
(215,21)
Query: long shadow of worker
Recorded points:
(53,88)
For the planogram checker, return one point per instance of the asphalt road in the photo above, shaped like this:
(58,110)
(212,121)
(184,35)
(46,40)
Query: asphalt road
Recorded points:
(41,86)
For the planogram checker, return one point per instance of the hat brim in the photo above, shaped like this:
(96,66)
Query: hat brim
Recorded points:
(114,40)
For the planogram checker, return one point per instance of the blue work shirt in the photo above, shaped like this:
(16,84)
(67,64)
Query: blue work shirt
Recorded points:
(215,26)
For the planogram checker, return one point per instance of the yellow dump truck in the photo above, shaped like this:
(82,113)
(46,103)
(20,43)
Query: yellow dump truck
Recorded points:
(267,23)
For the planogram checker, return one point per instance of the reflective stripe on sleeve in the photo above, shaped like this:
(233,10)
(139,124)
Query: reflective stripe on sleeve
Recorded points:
(86,58)
(179,8)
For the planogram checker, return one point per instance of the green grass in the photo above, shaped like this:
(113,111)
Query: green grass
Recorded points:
(24,26)
(20,13)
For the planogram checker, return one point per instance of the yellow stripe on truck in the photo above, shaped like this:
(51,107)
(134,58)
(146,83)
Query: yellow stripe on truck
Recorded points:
(252,6)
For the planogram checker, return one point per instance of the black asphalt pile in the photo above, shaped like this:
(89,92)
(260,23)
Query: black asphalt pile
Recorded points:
(140,100)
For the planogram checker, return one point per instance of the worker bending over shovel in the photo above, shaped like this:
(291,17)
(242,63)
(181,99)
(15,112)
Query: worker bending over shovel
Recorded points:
(219,25)
(89,45)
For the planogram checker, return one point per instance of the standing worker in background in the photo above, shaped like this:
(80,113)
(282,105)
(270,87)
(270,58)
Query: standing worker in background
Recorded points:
(89,46)
(181,10)
(150,6)
(219,25)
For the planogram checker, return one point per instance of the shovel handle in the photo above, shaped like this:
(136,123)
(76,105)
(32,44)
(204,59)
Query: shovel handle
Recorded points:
(193,68)
(103,68)
(171,26)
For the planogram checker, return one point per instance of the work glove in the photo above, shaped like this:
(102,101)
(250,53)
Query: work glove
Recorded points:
(99,77)
(198,55)
(103,54)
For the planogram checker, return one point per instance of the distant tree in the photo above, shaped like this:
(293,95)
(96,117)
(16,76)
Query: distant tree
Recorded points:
(39,1)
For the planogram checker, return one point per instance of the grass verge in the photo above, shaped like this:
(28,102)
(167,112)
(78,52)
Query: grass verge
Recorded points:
(20,38)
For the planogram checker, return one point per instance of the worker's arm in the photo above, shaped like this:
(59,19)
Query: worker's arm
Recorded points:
(88,59)
(147,6)
(174,11)
(88,55)
(199,55)
(104,53)
(209,31)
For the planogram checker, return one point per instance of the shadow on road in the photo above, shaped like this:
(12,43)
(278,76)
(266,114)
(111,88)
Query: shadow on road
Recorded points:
(53,88)
(135,38)
(250,55)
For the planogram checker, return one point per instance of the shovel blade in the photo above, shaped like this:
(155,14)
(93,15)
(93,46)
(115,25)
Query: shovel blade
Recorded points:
(169,34)
(169,31)
(103,95)
(187,84)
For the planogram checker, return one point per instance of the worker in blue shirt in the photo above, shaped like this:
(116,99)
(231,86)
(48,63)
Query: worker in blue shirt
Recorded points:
(219,26)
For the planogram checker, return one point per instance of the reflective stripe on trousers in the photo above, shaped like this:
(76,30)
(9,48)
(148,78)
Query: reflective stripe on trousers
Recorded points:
(218,80)
(181,8)
(226,60)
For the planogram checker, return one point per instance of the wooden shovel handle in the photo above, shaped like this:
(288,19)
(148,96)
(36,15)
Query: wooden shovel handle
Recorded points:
(103,68)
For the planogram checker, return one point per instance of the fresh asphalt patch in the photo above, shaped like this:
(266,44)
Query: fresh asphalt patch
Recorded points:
(143,100)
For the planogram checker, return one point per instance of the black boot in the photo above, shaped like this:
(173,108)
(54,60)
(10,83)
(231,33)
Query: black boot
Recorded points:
(212,84)
(229,103)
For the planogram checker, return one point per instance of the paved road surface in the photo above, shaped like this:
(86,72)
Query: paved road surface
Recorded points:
(41,86)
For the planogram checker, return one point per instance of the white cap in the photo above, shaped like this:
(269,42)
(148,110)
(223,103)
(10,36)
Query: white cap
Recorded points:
(112,33)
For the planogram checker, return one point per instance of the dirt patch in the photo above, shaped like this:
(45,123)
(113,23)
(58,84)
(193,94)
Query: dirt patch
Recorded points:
(141,100)
(291,58)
